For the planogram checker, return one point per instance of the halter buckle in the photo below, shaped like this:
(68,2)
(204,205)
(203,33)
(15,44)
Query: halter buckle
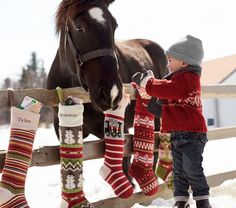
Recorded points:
(79,60)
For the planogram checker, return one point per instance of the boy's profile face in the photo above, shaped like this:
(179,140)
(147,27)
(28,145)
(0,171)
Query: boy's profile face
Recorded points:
(175,64)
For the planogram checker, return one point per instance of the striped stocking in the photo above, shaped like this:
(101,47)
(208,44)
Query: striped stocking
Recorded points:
(12,185)
(143,146)
(112,171)
(164,168)
(71,152)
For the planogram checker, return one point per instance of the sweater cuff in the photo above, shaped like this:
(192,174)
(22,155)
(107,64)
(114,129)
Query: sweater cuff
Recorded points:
(149,86)
(70,115)
(22,119)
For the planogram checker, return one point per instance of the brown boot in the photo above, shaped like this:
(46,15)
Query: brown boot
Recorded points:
(181,204)
(203,203)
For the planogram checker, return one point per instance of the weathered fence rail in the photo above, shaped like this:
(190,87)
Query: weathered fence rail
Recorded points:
(49,155)
(49,97)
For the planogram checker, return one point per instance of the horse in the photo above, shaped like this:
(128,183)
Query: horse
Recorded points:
(88,56)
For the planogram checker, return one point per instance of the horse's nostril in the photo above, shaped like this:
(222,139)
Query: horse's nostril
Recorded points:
(107,99)
(104,94)
(116,101)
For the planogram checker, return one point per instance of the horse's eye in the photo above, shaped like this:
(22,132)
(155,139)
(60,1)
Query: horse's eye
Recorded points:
(79,28)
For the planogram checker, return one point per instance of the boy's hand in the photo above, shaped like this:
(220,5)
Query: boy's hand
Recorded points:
(141,79)
(142,92)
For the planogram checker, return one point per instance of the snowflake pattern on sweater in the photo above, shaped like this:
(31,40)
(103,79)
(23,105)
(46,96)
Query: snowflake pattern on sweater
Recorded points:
(192,101)
(183,110)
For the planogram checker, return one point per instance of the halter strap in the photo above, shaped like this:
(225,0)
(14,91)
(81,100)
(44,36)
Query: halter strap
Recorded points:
(82,58)
(95,54)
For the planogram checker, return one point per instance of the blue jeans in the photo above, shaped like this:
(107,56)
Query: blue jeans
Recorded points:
(187,150)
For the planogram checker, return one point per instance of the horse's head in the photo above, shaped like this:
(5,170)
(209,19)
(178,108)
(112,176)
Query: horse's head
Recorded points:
(87,44)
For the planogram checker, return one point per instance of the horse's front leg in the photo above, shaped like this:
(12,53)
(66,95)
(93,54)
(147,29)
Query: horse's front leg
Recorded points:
(126,166)
(56,121)
(156,155)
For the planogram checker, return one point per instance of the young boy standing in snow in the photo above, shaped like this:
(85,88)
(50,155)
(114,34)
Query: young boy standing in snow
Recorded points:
(180,93)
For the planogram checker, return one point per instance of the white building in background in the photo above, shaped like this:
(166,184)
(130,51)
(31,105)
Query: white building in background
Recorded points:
(219,112)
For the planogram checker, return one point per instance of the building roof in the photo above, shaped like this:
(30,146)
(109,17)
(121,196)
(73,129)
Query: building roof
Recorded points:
(217,70)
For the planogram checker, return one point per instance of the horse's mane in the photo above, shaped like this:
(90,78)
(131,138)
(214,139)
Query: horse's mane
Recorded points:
(73,8)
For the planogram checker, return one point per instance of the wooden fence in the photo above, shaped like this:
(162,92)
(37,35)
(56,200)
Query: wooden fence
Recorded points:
(49,155)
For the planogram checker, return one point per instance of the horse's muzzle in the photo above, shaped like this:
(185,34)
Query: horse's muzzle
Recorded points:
(102,99)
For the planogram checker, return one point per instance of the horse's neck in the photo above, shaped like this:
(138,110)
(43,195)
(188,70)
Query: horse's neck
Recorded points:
(124,67)
(60,75)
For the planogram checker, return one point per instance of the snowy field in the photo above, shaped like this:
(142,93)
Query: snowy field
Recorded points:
(43,185)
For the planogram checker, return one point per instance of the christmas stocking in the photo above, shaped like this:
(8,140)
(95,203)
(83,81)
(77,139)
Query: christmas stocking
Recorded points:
(143,147)
(112,171)
(164,168)
(71,152)
(18,158)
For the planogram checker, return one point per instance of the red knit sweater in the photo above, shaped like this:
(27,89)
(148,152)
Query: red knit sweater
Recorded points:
(183,110)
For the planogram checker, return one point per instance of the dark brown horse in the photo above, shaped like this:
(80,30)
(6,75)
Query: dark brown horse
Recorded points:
(88,56)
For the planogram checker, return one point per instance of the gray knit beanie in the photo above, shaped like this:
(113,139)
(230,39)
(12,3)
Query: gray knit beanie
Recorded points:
(188,49)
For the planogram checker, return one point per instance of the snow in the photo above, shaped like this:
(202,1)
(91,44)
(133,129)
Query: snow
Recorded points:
(223,196)
(43,183)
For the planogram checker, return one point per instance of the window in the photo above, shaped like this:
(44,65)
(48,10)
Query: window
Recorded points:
(210,122)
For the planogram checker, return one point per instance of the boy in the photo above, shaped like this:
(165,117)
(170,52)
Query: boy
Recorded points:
(180,93)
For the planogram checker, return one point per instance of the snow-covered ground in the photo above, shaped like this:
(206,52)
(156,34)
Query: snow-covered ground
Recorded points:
(43,183)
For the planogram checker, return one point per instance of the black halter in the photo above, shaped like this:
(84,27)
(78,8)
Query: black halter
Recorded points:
(82,58)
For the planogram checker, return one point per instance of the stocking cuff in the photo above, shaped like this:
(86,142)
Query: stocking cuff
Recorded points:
(70,115)
(22,119)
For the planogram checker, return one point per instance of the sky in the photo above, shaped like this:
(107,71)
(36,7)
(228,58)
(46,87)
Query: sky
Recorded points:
(27,26)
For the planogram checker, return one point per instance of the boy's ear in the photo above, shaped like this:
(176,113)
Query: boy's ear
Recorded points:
(184,64)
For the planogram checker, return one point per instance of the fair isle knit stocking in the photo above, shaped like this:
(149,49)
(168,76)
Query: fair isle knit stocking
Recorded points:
(18,158)
(143,147)
(71,152)
(112,171)
(164,167)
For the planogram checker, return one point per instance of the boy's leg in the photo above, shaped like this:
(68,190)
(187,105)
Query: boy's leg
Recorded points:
(112,171)
(143,146)
(18,158)
(192,165)
(181,185)
(71,152)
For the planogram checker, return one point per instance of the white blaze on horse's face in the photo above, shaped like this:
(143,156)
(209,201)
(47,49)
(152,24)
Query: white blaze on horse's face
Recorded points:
(97,14)
(114,93)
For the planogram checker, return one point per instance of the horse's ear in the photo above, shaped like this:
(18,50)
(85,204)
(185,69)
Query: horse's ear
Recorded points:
(108,2)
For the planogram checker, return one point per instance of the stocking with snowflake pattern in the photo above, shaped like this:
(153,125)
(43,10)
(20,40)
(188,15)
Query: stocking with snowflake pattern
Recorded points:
(143,147)
(71,152)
